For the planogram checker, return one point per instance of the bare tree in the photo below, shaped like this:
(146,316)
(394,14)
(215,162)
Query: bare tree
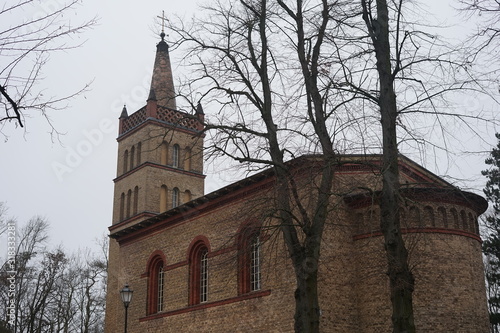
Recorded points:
(25,46)
(54,292)
(292,78)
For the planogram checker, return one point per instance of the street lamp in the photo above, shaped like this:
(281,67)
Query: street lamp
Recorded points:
(126,294)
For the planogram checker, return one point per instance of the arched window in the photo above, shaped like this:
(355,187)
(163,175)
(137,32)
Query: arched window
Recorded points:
(164,153)
(175,197)
(255,263)
(187,196)
(125,161)
(443,217)
(429,216)
(473,224)
(129,201)
(139,151)
(187,159)
(175,156)
(136,200)
(414,217)
(463,217)
(132,157)
(198,273)
(156,283)
(454,217)
(249,261)
(163,198)
(122,206)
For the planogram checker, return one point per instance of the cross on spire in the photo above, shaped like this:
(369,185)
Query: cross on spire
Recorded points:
(163,19)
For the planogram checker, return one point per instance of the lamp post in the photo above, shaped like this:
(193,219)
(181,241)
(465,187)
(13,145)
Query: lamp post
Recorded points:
(126,295)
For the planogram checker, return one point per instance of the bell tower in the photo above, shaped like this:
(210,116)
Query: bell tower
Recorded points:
(160,162)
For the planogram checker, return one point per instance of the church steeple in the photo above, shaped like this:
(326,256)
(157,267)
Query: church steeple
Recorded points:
(160,151)
(162,83)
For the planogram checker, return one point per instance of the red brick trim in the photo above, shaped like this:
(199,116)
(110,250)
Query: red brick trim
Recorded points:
(155,262)
(197,307)
(423,230)
(130,219)
(159,166)
(174,266)
(246,234)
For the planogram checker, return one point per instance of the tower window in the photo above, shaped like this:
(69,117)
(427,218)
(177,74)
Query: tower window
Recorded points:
(175,156)
(163,198)
(125,161)
(136,200)
(122,206)
(129,201)
(187,159)
(164,153)
(175,197)
(139,151)
(132,156)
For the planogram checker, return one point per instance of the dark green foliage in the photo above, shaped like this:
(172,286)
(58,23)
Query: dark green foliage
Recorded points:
(491,244)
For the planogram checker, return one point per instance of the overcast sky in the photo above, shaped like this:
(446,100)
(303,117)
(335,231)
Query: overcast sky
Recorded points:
(70,181)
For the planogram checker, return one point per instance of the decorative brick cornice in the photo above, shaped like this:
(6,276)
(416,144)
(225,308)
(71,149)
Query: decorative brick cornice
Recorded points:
(159,166)
(432,230)
(450,195)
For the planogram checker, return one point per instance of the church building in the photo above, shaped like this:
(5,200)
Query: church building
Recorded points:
(197,262)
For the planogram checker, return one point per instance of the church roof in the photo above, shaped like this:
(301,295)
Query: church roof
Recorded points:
(417,183)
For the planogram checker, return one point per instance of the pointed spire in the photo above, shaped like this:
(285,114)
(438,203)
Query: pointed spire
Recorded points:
(162,82)
(124,113)
(199,109)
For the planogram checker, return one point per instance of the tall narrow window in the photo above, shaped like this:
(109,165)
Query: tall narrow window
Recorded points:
(125,161)
(187,159)
(249,262)
(132,157)
(122,206)
(255,264)
(139,151)
(136,200)
(198,273)
(164,153)
(129,201)
(159,277)
(175,197)
(175,156)
(203,275)
(156,282)
(163,198)
(187,196)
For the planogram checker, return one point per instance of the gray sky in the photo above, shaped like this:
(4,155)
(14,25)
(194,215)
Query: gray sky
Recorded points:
(70,182)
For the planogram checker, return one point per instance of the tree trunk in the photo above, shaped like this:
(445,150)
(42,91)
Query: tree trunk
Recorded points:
(400,277)
(306,300)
